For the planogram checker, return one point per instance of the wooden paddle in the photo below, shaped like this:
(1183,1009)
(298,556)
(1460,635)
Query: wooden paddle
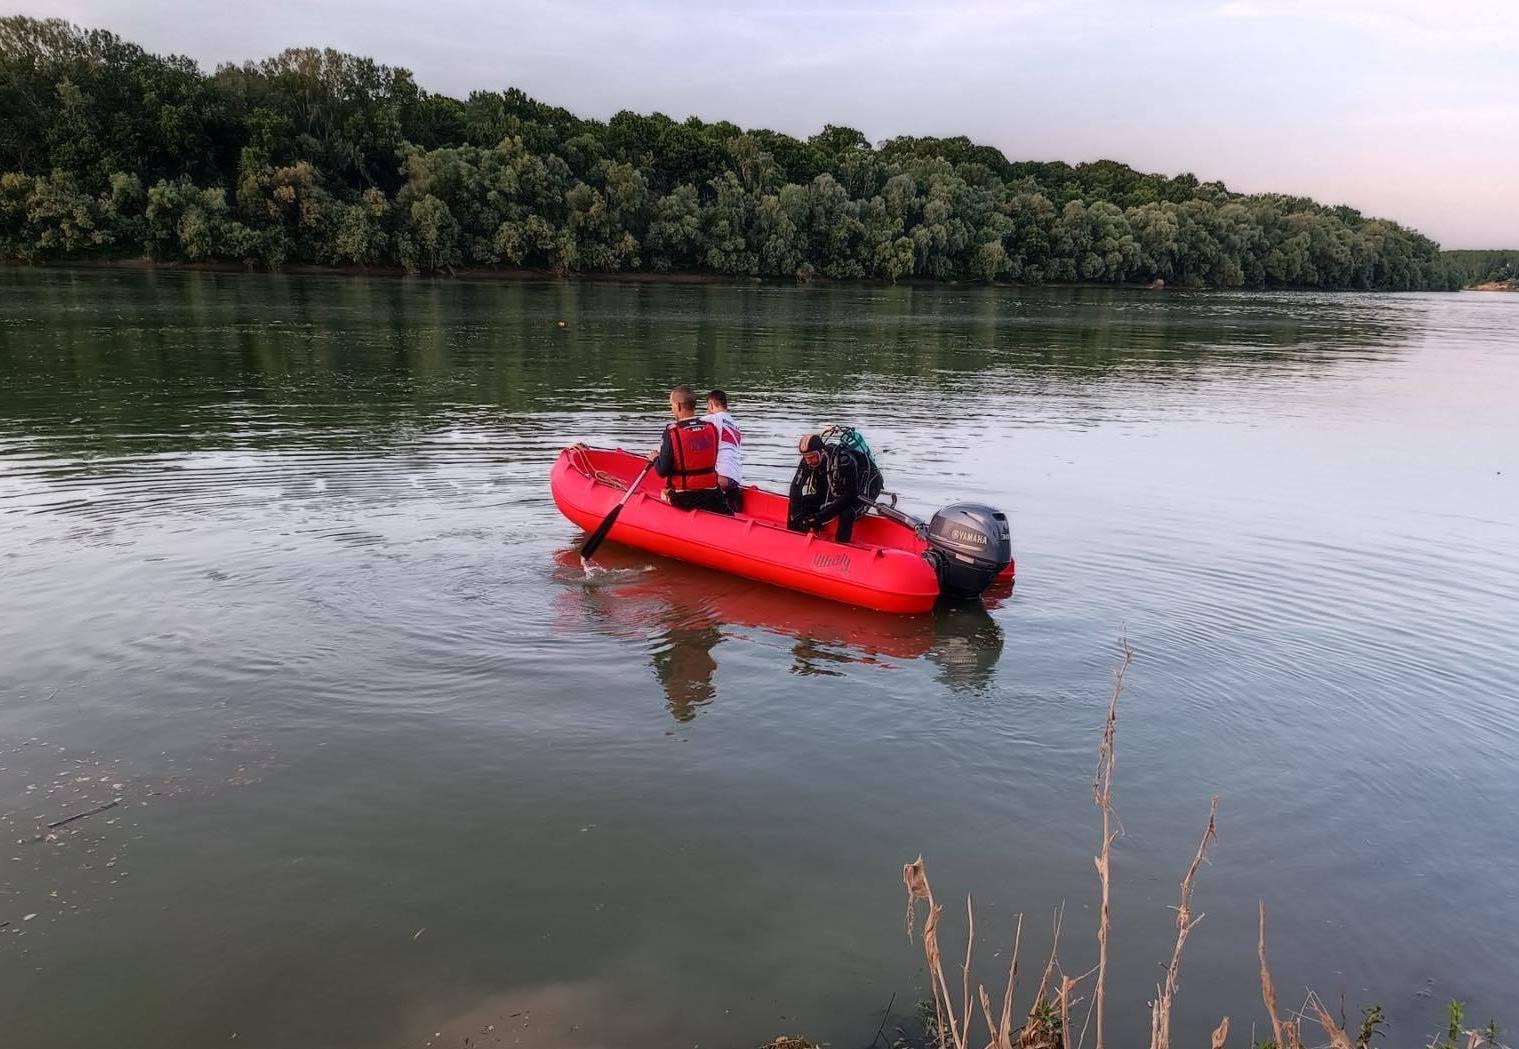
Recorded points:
(594,540)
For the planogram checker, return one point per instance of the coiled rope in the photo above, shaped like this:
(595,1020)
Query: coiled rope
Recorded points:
(578,457)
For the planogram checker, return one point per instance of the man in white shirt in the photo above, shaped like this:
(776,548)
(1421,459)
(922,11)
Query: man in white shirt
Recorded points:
(730,446)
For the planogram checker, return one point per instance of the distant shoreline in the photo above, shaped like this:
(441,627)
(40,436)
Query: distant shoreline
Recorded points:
(510,276)
(1494,285)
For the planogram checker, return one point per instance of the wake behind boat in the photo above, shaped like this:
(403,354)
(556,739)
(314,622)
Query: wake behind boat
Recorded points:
(892,563)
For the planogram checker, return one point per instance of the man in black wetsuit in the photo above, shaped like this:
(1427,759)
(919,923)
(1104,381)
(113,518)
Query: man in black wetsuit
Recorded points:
(826,486)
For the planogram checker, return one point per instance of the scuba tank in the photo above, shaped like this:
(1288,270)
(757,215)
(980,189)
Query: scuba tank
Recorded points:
(849,441)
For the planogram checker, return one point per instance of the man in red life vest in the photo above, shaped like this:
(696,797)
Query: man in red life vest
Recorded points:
(687,457)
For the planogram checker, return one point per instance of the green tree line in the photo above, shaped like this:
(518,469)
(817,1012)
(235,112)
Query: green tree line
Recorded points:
(322,158)
(1484,267)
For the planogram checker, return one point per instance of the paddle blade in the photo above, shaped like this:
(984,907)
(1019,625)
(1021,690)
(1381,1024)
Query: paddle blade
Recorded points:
(588,547)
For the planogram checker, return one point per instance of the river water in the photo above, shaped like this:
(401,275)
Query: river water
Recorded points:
(280,571)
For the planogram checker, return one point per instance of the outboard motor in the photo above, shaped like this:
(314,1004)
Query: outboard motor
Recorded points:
(969,544)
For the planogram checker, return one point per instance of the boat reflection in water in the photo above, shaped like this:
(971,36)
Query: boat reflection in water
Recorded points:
(681,612)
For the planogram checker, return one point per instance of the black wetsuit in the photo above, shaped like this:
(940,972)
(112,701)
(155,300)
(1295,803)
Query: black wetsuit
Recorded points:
(843,499)
(829,490)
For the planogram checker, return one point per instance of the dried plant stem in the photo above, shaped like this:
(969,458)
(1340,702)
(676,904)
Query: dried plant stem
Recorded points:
(1002,1034)
(1049,966)
(1268,989)
(970,942)
(952,1020)
(1102,796)
(1285,1032)
(986,1014)
(1067,985)
(1160,1009)
(931,946)
(1032,1032)
(1338,1039)
(915,877)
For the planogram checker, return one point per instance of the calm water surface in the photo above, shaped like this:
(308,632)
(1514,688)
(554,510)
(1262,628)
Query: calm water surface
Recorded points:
(279,569)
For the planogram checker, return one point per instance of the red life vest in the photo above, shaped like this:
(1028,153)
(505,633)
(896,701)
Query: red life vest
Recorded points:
(694,447)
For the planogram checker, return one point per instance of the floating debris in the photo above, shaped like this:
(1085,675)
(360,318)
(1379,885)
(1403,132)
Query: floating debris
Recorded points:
(81,815)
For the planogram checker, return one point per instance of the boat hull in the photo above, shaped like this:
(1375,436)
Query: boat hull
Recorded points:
(881,568)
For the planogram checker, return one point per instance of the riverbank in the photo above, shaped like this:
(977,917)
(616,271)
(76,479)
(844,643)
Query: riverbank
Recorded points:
(483,275)
(1495,285)
(510,275)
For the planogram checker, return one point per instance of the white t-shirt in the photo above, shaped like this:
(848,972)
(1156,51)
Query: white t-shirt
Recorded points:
(730,446)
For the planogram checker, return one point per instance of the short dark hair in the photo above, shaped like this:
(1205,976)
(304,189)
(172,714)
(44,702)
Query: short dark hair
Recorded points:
(684,397)
(719,396)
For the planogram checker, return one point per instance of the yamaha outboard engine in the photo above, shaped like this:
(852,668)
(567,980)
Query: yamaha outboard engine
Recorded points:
(970,543)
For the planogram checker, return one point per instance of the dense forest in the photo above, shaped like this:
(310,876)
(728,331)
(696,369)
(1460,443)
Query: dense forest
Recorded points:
(322,158)
(1484,267)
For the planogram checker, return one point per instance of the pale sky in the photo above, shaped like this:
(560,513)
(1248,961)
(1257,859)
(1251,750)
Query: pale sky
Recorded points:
(1402,109)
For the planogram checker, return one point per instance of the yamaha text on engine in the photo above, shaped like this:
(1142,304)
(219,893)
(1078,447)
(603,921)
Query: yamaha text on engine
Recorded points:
(969,545)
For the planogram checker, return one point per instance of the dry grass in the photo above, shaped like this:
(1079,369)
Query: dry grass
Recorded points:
(1047,1023)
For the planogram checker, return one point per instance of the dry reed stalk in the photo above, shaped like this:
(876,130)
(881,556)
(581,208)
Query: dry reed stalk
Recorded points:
(916,879)
(1268,989)
(1029,1034)
(1285,1033)
(1338,1039)
(1002,1031)
(1160,1009)
(944,1006)
(1102,796)
(970,942)
(1049,966)
(1067,985)
(1005,1028)
(953,1022)
(986,1013)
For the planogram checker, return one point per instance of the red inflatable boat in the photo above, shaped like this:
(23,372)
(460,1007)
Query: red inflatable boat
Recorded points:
(888,565)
